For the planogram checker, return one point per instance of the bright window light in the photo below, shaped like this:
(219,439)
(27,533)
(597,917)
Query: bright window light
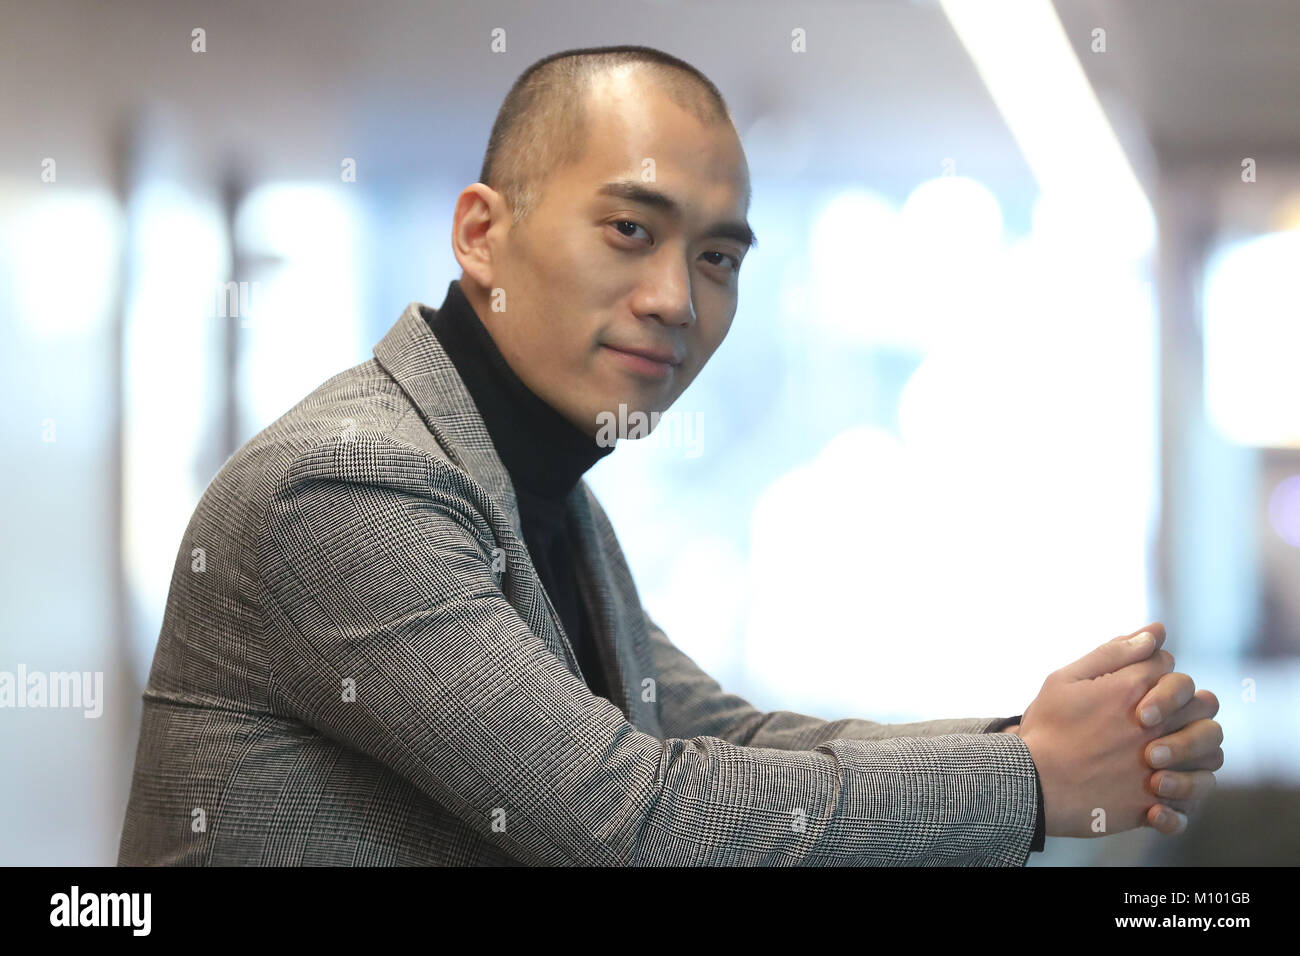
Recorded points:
(54,241)
(1024,57)
(305,323)
(170,378)
(1252,341)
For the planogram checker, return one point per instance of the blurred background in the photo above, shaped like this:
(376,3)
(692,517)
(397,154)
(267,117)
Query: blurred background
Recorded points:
(1025,304)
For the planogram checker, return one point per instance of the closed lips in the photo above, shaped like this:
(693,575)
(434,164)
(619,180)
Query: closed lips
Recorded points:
(654,355)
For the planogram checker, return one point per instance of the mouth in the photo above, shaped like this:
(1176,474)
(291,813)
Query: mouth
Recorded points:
(649,363)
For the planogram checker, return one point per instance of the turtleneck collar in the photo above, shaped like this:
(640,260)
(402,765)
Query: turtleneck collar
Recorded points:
(542,450)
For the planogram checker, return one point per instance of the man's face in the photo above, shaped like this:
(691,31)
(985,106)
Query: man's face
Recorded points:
(599,270)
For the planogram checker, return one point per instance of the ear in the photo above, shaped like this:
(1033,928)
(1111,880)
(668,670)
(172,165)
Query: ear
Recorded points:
(481,220)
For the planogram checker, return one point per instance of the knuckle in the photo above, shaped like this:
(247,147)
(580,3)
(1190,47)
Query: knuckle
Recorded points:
(1133,680)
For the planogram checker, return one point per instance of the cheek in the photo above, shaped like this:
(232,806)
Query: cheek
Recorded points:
(711,334)
(566,253)
(547,266)
(701,355)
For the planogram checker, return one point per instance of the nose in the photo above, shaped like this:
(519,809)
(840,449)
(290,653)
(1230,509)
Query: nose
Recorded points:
(665,292)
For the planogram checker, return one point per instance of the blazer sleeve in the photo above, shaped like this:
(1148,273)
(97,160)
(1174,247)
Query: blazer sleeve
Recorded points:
(692,703)
(386,631)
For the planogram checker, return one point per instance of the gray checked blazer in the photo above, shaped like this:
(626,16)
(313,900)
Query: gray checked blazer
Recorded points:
(361,667)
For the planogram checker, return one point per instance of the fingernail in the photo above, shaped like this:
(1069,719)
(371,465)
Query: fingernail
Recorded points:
(1140,639)
(1151,715)
(1162,818)
(1160,756)
(1182,821)
(1166,787)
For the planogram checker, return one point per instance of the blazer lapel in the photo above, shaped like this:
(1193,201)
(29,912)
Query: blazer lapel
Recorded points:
(614,607)
(412,354)
(414,357)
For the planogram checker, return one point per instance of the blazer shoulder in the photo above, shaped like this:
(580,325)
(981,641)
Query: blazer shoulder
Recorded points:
(359,426)
(362,398)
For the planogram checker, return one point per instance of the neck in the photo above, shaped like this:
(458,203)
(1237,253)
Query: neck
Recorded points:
(544,452)
(480,301)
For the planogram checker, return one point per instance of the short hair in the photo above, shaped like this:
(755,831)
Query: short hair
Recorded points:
(542,122)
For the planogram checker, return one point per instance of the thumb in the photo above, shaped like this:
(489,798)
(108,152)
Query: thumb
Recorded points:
(1120,652)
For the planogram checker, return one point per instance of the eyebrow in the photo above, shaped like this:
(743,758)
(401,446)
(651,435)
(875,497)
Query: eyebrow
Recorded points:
(639,193)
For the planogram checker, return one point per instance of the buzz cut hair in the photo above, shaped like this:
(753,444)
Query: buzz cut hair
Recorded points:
(542,123)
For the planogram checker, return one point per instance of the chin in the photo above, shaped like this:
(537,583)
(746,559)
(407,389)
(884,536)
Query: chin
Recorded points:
(623,419)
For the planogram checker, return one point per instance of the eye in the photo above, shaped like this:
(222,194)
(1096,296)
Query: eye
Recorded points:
(628,222)
(735,262)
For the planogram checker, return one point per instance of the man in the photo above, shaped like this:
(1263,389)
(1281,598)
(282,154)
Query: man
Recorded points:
(416,640)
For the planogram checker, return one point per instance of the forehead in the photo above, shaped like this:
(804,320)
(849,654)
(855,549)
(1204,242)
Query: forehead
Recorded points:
(630,120)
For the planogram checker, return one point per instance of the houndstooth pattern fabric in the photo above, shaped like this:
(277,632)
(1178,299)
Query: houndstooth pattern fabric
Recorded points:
(364,669)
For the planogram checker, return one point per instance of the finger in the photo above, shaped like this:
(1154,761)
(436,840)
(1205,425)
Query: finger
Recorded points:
(1167,820)
(1173,785)
(1171,693)
(1197,739)
(1210,761)
(1116,653)
(1203,704)
(1156,629)
(1144,675)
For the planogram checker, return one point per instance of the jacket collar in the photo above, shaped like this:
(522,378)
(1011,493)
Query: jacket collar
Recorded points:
(413,356)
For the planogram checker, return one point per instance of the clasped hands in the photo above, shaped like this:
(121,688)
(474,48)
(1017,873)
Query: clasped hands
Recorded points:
(1091,749)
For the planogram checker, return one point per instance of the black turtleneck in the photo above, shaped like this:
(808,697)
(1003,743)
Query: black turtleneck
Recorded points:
(545,455)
